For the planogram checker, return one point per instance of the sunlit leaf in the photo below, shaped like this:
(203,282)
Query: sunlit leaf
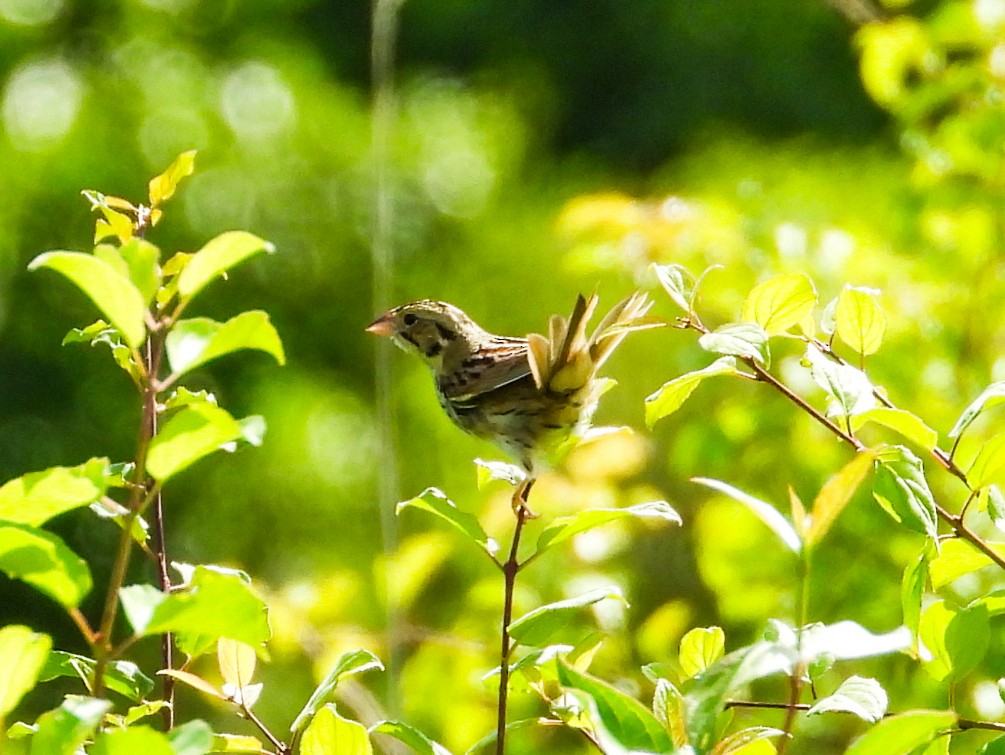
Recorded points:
(676,282)
(122,677)
(419,742)
(191,738)
(22,656)
(434,501)
(670,710)
(131,741)
(216,258)
(355,662)
(749,741)
(163,187)
(903,733)
(44,561)
(848,388)
(194,342)
(989,464)
(780,303)
(539,626)
(700,648)
(142,266)
(37,497)
(957,558)
(858,319)
(624,718)
(233,744)
(912,589)
(957,639)
(192,433)
(330,734)
(859,696)
(113,293)
(764,511)
(64,730)
(902,490)
(193,681)
(566,527)
(745,340)
(992,395)
(237,662)
(909,425)
(835,495)
(669,398)
(488,471)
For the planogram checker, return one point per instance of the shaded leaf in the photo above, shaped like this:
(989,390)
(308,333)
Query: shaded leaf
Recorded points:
(22,656)
(123,677)
(902,490)
(566,527)
(216,258)
(669,398)
(956,639)
(539,626)
(912,589)
(857,695)
(434,501)
(780,303)
(135,739)
(411,736)
(62,731)
(764,511)
(113,293)
(45,562)
(191,738)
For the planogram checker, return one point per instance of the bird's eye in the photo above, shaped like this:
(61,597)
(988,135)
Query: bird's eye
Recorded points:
(410,319)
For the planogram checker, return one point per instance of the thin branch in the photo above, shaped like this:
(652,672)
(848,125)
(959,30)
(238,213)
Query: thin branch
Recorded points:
(281,747)
(510,570)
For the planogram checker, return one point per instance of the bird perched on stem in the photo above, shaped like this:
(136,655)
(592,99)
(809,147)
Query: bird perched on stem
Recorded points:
(534,397)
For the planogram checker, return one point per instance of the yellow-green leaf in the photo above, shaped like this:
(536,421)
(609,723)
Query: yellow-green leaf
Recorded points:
(909,425)
(780,303)
(237,661)
(216,258)
(163,187)
(674,393)
(957,558)
(195,431)
(989,464)
(700,648)
(194,342)
(22,655)
(112,292)
(858,319)
(835,494)
(330,734)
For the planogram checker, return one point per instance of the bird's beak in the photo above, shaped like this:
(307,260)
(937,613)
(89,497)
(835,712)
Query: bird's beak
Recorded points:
(382,326)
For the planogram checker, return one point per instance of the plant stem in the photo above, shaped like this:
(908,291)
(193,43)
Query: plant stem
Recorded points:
(281,747)
(510,570)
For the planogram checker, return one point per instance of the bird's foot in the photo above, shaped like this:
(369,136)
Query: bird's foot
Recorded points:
(520,495)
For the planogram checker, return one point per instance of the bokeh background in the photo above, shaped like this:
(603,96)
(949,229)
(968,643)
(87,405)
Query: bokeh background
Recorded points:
(538,150)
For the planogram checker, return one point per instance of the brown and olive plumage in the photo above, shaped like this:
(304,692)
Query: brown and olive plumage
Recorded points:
(534,397)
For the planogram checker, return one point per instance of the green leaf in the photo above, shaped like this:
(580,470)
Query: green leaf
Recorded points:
(764,511)
(909,425)
(139,603)
(163,187)
(912,589)
(123,677)
(849,390)
(700,648)
(434,501)
(858,319)
(193,432)
(213,605)
(35,498)
(411,736)
(216,258)
(901,734)
(538,627)
(355,662)
(676,281)
(674,393)
(142,266)
(237,743)
(835,495)
(859,696)
(956,558)
(45,562)
(623,718)
(131,741)
(191,738)
(63,731)
(902,490)
(498,470)
(780,303)
(989,464)
(113,293)
(567,527)
(330,734)
(742,741)
(990,396)
(745,340)
(22,655)
(670,710)
(957,639)
(194,342)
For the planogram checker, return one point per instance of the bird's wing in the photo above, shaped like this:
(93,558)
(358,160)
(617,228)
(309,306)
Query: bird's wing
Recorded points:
(501,362)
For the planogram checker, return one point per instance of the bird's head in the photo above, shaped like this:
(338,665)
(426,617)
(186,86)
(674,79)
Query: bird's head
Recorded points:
(427,328)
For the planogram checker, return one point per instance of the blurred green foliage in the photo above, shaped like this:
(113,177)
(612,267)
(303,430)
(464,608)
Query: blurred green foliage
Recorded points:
(540,150)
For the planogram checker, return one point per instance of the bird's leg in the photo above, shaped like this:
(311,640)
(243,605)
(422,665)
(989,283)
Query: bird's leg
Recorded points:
(520,495)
